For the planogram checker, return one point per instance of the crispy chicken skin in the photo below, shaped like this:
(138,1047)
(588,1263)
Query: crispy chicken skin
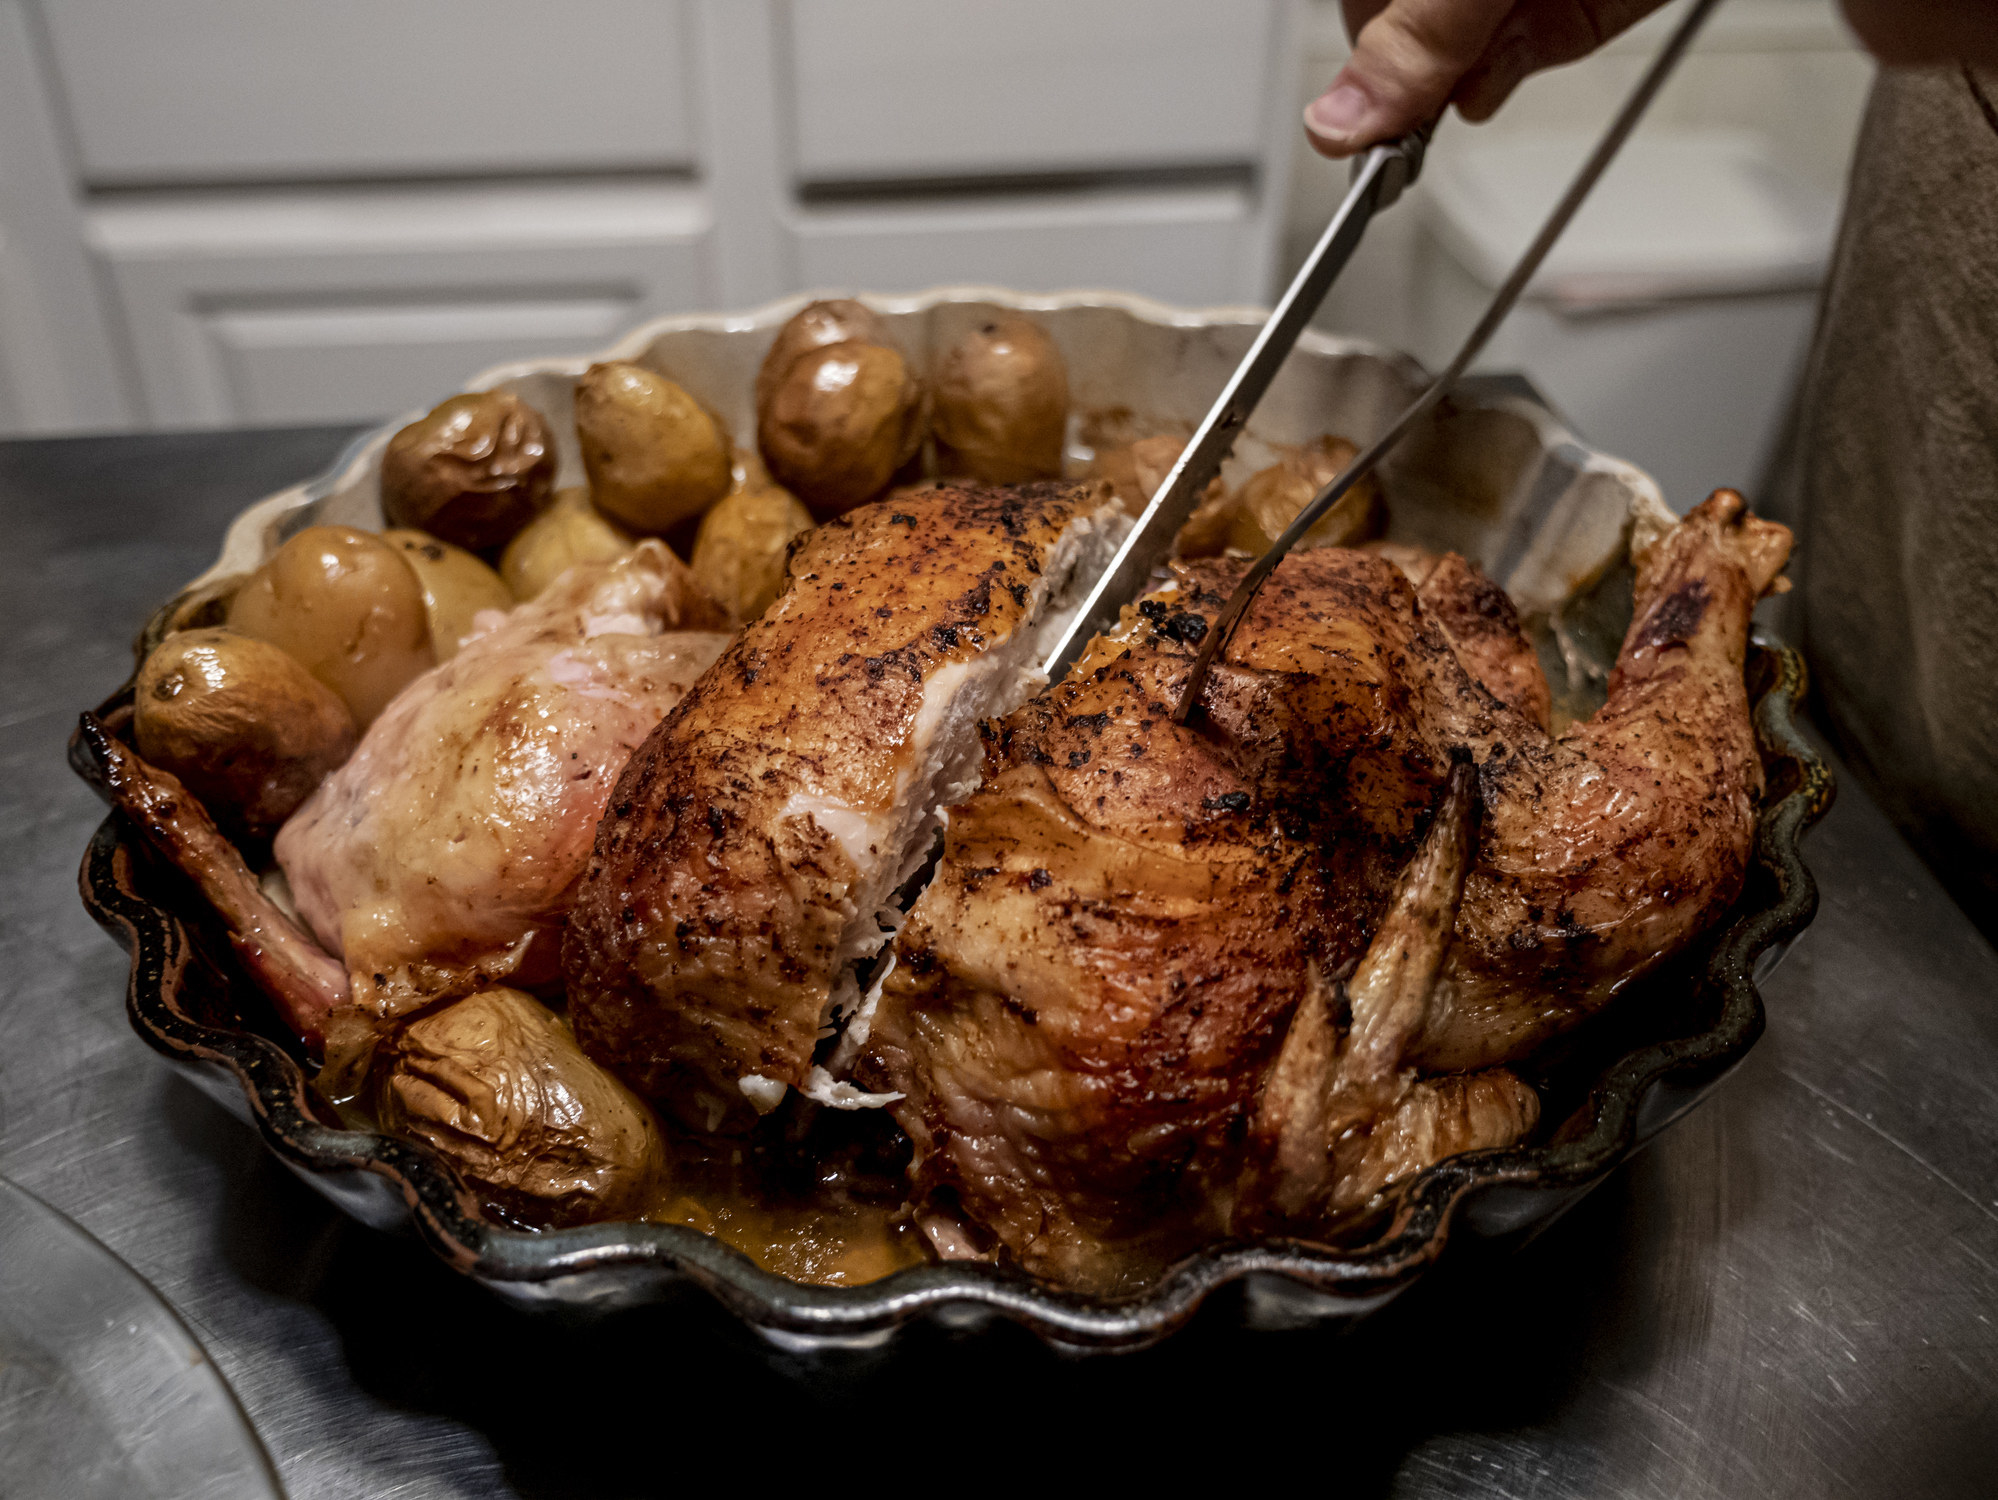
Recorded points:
(1092,991)
(752,841)
(1605,851)
(458,829)
(1479,621)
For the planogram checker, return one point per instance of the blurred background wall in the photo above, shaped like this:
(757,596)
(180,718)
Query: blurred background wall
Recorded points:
(273,211)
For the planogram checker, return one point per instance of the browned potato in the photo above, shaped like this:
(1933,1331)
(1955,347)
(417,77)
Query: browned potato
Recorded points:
(740,551)
(201,606)
(839,423)
(244,726)
(837,321)
(1000,407)
(1206,531)
(348,607)
(572,531)
(655,455)
(456,586)
(1271,499)
(496,1085)
(1136,470)
(472,473)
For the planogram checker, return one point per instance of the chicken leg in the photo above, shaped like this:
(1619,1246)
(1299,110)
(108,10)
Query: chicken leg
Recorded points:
(305,983)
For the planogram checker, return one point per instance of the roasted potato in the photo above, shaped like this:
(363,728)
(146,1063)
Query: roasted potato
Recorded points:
(196,608)
(456,586)
(1271,499)
(999,410)
(655,455)
(570,532)
(839,423)
(496,1085)
(472,472)
(838,321)
(1136,470)
(349,607)
(246,728)
(740,551)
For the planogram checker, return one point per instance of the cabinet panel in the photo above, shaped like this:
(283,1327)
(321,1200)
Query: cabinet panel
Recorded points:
(359,363)
(233,90)
(59,365)
(337,306)
(1195,246)
(930,88)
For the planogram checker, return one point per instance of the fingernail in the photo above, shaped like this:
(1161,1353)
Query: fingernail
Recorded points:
(1339,114)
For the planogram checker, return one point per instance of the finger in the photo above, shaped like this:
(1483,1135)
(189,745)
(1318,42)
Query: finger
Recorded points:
(1542,34)
(1406,62)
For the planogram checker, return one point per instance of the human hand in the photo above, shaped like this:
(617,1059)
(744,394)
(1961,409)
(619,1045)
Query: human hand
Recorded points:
(1413,57)
(1925,32)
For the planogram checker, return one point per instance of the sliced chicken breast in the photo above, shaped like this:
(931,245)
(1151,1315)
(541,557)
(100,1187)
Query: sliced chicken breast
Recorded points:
(754,843)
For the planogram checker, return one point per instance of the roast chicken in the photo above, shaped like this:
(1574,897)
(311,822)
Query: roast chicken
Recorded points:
(444,852)
(434,865)
(1171,980)
(754,841)
(1164,983)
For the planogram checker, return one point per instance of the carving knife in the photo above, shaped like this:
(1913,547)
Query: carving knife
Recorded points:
(1378,180)
(1379,177)
(1216,640)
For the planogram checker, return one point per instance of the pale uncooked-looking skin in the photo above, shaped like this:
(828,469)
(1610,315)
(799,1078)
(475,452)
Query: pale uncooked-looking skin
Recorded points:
(459,827)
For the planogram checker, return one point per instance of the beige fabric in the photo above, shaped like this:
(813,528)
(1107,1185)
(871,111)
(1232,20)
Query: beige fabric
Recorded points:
(1897,466)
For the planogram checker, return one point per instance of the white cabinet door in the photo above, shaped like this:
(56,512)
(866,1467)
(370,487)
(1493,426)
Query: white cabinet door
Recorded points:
(209,91)
(351,305)
(1186,245)
(60,369)
(316,210)
(888,89)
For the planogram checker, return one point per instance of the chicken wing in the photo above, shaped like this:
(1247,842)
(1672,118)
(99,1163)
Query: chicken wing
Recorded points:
(1341,1117)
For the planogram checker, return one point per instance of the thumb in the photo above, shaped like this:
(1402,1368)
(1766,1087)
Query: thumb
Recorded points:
(1406,62)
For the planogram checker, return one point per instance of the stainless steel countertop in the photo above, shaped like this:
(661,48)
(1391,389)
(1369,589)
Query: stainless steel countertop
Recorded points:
(1795,1293)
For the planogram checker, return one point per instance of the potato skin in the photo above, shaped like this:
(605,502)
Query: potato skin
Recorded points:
(471,472)
(1000,406)
(349,607)
(571,531)
(655,455)
(497,1086)
(456,587)
(246,728)
(1136,470)
(837,320)
(1272,497)
(1252,518)
(743,542)
(839,423)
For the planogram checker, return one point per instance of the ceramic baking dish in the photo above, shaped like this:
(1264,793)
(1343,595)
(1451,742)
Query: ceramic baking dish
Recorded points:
(1494,475)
